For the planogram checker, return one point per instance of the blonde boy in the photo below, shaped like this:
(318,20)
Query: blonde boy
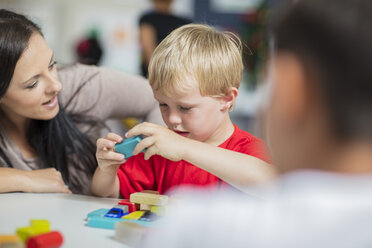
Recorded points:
(195,74)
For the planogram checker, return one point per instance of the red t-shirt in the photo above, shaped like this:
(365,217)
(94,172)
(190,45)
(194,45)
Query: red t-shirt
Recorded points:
(161,174)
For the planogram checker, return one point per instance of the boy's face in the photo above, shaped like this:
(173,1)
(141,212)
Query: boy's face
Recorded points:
(192,115)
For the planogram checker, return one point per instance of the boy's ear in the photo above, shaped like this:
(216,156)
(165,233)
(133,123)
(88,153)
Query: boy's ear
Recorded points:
(227,101)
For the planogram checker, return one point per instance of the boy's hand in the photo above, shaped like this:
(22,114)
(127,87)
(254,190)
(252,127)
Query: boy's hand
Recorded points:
(109,160)
(159,140)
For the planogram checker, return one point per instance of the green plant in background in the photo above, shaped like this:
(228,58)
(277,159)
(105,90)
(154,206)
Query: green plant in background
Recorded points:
(255,39)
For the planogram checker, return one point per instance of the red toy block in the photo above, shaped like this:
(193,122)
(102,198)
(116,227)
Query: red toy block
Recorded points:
(131,206)
(47,240)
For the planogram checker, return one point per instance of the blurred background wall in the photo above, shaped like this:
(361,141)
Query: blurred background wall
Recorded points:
(114,23)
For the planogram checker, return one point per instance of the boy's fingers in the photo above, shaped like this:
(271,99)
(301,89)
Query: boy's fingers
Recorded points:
(114,137)
(110,155)
(145,128)
(109,163)
(149,152)
(105,143)
(145,143)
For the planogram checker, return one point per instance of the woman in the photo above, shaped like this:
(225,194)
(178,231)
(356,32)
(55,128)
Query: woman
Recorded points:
(49,118)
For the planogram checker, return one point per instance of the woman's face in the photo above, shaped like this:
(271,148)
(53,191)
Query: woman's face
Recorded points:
(32,93)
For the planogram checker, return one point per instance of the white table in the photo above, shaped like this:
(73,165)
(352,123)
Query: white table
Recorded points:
(65,212)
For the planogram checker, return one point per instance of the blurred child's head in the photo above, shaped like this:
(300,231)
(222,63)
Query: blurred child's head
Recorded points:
(322,92)
(162,5)
(195,74)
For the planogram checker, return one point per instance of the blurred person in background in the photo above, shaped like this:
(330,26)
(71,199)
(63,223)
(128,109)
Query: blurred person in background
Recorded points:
(50,118)
(154,26)
(89,49)
(320,133)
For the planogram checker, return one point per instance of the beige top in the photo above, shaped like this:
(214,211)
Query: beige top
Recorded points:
(111,94)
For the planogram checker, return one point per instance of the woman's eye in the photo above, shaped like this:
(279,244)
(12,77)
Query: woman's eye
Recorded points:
(51,66)
(163,105)
(32,85)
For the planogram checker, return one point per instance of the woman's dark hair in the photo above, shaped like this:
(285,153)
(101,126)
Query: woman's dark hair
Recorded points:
(333,39)
(58,142)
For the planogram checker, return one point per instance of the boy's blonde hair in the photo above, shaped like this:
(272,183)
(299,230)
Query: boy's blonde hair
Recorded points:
(197,52)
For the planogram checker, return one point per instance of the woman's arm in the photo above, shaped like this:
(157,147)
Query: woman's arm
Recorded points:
(45,180)
(108,93)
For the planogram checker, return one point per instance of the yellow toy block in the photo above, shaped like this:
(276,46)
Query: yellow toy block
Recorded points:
(159,210)
(130,122)
(42,226)
(25,232)
(134,215)
(36,227)
(149,199)
(10,241)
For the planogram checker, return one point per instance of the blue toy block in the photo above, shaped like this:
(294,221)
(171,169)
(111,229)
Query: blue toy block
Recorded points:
(109,223)
(149,216)
(127,146)
(98,212)
(117,212)
(103,222)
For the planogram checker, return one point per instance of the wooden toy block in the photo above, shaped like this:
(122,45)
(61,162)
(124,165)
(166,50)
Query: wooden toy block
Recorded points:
(129,233)
(13,245)
(149,199)
(10,241)
(150,192)
(145,207)
(134,216)
(47,240)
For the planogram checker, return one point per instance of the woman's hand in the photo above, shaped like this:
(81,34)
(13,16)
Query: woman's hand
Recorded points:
(108,160)
(160,141)
(45,180)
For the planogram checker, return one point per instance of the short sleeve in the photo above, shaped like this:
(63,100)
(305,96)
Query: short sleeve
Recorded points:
(246,143)
(256,148)
(146,19)
(136,175)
